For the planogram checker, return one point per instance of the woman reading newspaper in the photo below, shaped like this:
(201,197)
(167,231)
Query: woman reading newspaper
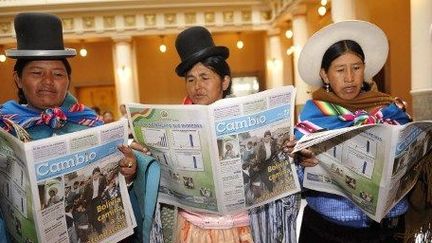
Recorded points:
(208,79)
(342,58)
(46,108)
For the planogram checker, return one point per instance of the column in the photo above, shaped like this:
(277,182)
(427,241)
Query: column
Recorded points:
(342,10)
(124,67)
(274,59)
(421,58)
(300,37)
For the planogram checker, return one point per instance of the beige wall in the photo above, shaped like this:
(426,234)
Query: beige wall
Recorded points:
(96,68)
(156,77)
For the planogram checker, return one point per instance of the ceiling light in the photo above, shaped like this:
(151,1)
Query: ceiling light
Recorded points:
(322,11)
(83,52)
(290,50)
(289,34)
(162,46)
(239,43)
(2,58)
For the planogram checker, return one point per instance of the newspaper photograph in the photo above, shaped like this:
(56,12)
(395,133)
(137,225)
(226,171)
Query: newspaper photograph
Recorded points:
(221,158)
(66,188)
(372,165)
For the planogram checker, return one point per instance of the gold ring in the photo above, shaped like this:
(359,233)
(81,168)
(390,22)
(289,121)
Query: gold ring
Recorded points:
(130,165)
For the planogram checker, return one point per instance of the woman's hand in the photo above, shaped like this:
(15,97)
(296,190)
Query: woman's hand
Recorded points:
(128,165)
(138,147)
(305,157)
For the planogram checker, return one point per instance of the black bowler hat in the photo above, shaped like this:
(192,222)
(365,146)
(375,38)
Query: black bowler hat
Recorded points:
(194,45)
(39,36)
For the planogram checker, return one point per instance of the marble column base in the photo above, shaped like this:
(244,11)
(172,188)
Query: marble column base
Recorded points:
(422,104)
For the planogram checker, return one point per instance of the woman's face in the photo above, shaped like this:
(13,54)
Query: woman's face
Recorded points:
(204,86)
(44,83)
(345,76)
(108,117)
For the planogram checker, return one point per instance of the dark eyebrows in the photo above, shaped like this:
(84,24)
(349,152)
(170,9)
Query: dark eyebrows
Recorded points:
(342,65)
(201,75)
(32,67)
(188,76)
(204,75)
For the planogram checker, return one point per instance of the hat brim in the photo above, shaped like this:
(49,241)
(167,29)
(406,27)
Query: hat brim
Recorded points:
(370,37)
(199,56)
(40,54)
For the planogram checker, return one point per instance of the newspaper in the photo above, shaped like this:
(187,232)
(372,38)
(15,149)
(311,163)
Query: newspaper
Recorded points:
(47,186)
(216,158)
(375,166)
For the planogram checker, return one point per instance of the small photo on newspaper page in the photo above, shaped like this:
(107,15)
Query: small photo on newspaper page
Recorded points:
(15,194)
(266,171)
(89,199)
(93,203)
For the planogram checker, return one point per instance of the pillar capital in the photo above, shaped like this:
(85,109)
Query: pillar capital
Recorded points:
(300,9)
(122,38)
(273,32)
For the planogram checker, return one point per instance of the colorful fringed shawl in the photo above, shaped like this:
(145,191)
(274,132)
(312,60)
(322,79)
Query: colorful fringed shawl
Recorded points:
(330,112)
(17,119)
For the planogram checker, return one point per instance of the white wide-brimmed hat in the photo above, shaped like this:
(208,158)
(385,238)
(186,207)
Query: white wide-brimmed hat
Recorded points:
(370,37)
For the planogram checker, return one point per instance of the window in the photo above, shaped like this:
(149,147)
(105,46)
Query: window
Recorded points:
(244,85)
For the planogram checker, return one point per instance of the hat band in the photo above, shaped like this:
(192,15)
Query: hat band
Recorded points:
(68,52)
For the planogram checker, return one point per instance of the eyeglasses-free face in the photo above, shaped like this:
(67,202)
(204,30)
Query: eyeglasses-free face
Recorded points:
(44,82)
(345,76)
(204,86)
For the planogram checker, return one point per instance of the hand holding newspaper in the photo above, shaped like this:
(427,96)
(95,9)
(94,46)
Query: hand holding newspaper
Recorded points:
(375,166)
(224,157)
(66,188)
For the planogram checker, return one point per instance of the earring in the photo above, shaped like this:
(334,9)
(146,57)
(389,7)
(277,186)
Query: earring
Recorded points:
(327,87)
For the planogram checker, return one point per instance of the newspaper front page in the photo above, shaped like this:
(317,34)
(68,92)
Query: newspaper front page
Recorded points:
(372,165)
(66,188)
(221,158)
